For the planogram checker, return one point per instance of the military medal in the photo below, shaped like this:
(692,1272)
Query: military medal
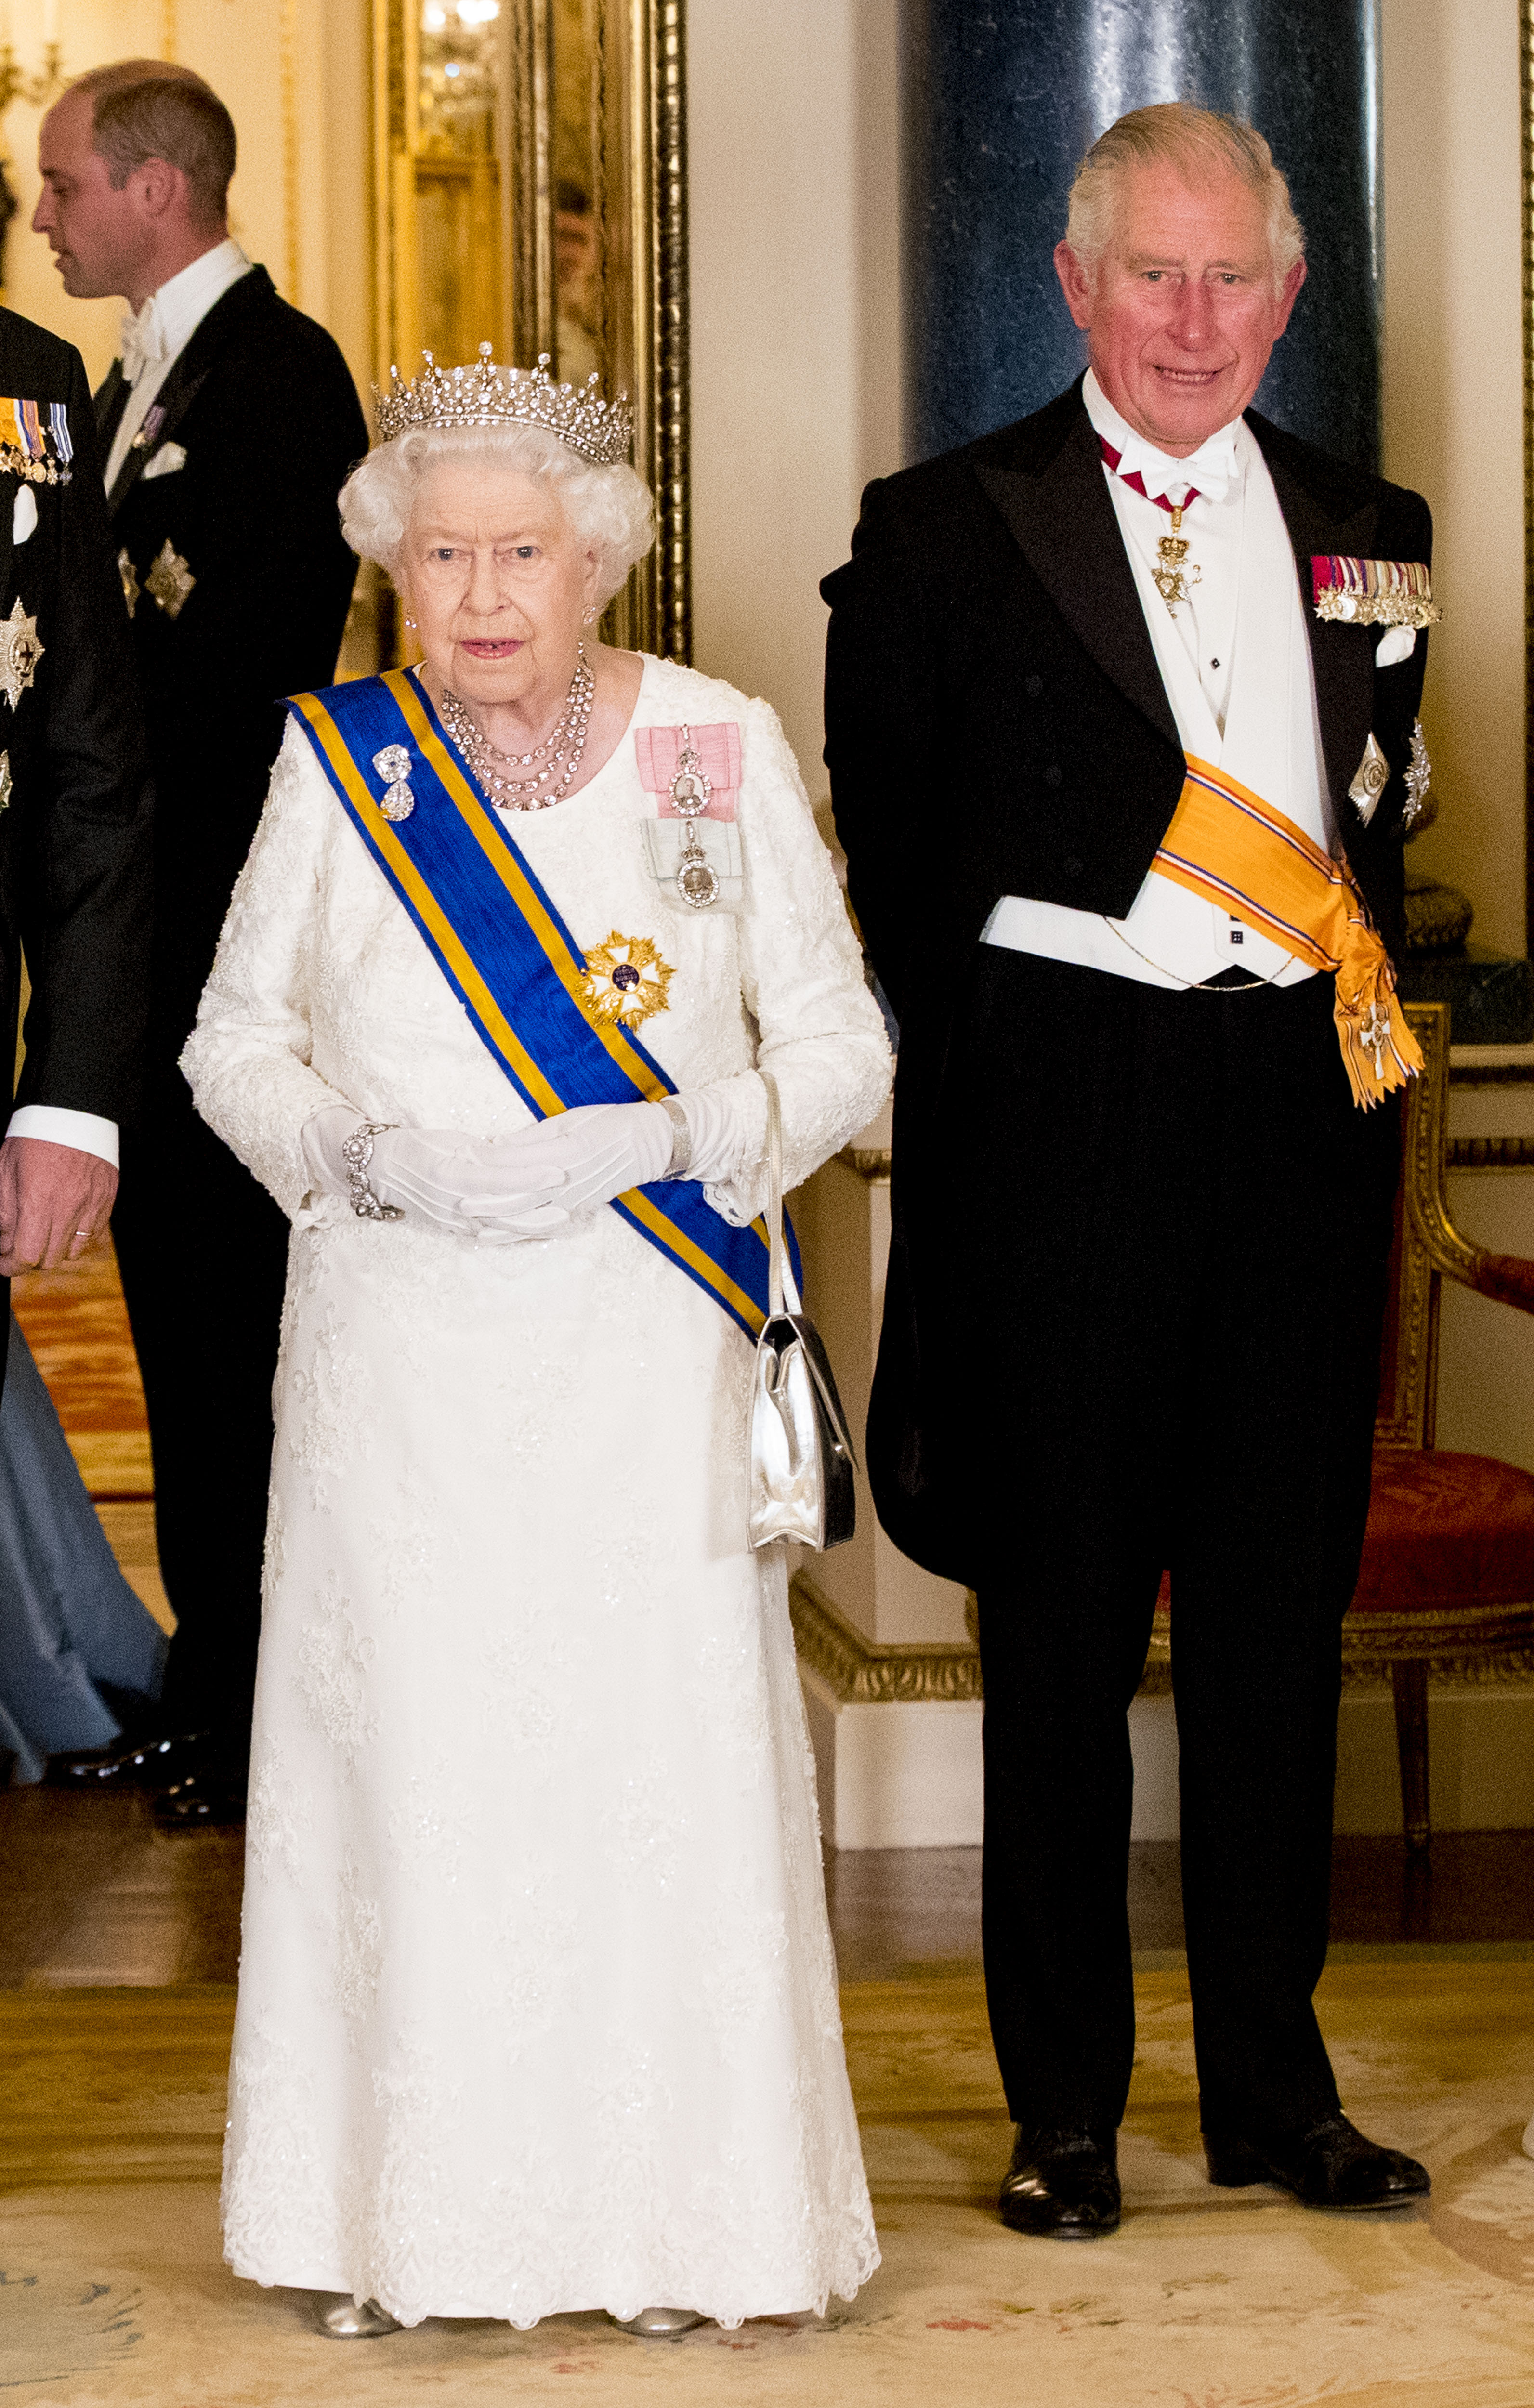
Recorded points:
(1373,592)
(19,653)
(691,789)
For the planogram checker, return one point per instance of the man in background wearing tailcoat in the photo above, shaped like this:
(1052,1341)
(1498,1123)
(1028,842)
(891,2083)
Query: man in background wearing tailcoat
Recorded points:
(1141,1224)
(225,429)
(75,804)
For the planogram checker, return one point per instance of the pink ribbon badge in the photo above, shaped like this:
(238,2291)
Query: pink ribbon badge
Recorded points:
(659,749)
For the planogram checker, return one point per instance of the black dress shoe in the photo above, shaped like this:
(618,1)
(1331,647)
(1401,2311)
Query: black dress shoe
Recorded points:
(1062,2184)
(211,1797)
(1328,2164)
(155,1762)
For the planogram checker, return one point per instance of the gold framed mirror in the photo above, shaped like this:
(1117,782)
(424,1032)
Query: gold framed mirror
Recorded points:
(531,192)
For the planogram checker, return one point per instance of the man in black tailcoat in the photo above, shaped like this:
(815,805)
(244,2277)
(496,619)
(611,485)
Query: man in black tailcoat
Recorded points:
(1141,1227)
(75,864)
(226,429)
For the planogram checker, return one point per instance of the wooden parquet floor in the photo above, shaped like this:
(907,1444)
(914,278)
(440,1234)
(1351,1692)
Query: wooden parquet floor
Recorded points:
(75,1323)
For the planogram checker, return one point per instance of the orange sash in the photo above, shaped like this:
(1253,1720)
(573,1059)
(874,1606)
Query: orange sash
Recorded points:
(1229,846)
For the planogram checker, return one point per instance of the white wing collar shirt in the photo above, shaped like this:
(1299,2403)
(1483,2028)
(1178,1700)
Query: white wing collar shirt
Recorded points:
(1235,659)
(153,342)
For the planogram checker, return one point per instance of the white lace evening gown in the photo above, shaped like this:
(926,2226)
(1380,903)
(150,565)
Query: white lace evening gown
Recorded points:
(538,2007)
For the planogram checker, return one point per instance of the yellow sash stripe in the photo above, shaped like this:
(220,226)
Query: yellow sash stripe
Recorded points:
(1229,846)
(679,1244)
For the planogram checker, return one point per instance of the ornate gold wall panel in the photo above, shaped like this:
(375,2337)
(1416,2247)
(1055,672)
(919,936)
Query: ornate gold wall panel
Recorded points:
(530,181)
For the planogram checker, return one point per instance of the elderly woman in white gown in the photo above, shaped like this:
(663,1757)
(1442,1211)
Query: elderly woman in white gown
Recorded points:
(537,2008)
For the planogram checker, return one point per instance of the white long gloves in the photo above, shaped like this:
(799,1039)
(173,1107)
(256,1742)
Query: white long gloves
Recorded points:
(532,1180)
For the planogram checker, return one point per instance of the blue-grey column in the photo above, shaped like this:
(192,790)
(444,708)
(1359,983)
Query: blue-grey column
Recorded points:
(1000,100)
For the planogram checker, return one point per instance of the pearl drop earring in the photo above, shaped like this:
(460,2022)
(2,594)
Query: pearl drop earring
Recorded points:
(411,623)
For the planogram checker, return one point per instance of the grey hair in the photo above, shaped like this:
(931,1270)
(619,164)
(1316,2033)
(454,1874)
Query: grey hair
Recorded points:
(608,508)
(1201,145)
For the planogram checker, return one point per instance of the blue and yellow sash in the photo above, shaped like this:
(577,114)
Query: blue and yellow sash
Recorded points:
(506,953)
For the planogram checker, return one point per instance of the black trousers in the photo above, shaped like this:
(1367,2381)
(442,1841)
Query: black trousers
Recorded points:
(203,1252)
(1172,1228)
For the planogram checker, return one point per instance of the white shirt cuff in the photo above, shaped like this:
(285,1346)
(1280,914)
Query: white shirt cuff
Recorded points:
(87,1132)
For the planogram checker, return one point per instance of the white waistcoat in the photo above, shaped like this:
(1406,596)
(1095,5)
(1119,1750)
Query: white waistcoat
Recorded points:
(1236,666)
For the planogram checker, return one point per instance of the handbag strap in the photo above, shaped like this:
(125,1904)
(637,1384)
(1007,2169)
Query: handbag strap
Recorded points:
(780,1281)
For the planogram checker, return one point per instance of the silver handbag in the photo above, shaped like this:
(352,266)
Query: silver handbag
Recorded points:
(801,1458)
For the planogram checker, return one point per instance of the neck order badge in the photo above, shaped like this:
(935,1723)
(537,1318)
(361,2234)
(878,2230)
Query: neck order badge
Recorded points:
(500,941)
(1176,573)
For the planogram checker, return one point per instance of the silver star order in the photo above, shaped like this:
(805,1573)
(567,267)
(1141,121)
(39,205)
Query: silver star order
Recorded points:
(1418,779)
(1374,1036)
(19,653)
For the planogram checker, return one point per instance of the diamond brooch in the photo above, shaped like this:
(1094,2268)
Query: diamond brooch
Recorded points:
(393,765)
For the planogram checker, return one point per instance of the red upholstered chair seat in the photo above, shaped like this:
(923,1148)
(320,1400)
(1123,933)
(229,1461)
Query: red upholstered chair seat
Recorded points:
(1446,1532)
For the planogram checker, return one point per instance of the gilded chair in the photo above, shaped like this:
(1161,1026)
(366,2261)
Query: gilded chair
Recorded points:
(1447,1578)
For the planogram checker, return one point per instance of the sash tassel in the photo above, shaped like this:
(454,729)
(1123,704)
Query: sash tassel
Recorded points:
(1228,845)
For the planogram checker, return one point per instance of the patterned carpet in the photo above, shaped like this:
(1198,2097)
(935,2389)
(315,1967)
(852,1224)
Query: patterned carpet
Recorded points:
(114,2294)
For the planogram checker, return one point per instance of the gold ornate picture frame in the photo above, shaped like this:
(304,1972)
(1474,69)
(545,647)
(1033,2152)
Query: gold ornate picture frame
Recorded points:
(1526,52)
(530,184)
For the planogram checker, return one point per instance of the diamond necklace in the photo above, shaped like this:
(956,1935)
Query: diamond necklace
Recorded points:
(560,752)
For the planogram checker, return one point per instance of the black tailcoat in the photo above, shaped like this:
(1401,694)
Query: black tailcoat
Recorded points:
(75,831)
(996,725)
(263,406)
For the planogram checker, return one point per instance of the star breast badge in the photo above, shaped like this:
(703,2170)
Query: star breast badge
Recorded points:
(625,979)
(21,650)
(170,581)
(129,575)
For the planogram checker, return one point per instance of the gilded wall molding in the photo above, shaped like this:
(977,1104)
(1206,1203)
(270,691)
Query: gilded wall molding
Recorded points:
(1491,1153)
(870,1162)
(1470,1652)
(1525,89)
(863,1672)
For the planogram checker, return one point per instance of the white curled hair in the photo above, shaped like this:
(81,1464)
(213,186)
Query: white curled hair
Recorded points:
(1201,145)
(608,508)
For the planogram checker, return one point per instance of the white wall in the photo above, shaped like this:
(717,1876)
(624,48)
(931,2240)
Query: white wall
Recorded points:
(794,196)
(315,217)
(1453,383)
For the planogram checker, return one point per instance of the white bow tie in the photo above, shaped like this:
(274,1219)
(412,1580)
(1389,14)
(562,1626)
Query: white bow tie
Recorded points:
(143,342)
(1211,470)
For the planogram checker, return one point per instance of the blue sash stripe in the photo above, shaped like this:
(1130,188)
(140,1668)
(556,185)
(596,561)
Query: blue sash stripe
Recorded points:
(504,951)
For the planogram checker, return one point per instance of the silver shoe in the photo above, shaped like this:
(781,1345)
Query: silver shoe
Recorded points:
(661,2324)
(338,2314)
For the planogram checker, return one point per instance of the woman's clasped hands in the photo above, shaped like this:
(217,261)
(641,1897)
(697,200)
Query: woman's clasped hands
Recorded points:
(501,1190)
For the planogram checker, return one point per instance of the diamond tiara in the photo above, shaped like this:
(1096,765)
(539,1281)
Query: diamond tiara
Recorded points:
(599,431)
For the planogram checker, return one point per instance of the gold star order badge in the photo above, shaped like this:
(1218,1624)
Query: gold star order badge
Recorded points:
(626,980)
(21,650)
(129,575)
(170,580)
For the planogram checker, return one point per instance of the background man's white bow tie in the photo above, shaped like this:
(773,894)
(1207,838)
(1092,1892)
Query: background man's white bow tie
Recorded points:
(143,340)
